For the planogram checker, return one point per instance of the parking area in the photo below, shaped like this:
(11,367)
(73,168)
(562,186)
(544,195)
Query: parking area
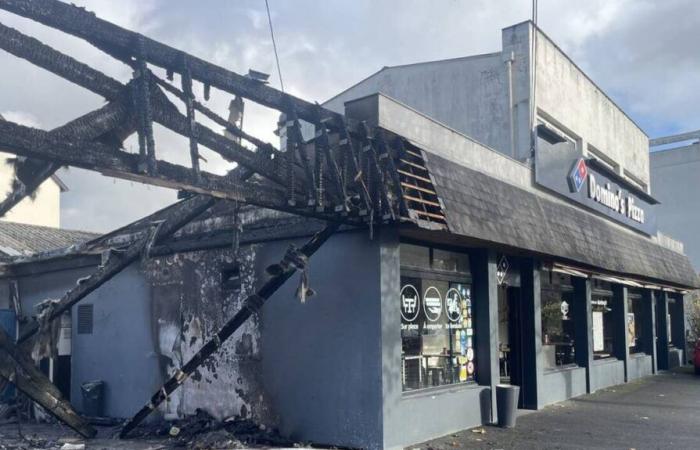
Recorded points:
(657,412)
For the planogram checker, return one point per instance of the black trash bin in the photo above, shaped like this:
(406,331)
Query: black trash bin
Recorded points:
(93,398)
(507,404)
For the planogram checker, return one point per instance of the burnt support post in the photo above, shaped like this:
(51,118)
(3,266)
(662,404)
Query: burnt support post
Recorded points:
(531,325)
(583,326)
(485,303)
(28,379)
(662,340)
(621,348)
(252,304)
(649,326)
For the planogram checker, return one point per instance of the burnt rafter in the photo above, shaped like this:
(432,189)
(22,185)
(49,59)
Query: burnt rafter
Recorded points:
(119,43)
(318,170)
(345,174)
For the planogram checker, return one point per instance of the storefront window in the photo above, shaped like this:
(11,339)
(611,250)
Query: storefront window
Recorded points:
(634,321)
(557,298)
(603,320)
(437,333)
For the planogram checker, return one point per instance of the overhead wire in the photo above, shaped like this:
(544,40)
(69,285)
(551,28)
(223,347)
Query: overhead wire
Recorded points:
(274,45)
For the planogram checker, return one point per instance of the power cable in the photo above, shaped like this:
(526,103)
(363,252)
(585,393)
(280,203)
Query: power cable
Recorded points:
(274,45)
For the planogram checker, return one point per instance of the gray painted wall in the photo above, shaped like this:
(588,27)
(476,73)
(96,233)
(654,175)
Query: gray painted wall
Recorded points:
(559,385)
(639,365)
(120,351)
(606,373)
(321,361)
(674,175)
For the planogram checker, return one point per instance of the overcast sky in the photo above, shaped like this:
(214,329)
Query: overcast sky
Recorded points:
(643,53)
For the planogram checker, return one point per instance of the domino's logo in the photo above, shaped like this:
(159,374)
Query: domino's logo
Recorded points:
(578,175)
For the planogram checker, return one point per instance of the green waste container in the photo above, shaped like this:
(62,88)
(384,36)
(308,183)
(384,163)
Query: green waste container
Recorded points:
(93,398)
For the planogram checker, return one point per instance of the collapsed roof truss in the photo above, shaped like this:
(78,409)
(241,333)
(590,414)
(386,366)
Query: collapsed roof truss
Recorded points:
(345,174)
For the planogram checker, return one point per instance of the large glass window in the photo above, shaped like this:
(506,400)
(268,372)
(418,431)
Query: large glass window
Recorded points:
(556,298)
(437,333)
(603,320)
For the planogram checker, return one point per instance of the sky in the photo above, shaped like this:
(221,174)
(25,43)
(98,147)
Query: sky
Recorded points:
(642,53)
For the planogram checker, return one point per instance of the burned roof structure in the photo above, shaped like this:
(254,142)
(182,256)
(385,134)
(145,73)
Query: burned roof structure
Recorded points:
(350,174)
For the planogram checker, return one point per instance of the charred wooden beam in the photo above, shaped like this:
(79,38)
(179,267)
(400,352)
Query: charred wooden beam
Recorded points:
(189,107)
(118,42)
(34,51)
(20,370)
(251,305)
(98,157)
(108,124)
(41,172)
(142,105)
(180,216)
(164,112)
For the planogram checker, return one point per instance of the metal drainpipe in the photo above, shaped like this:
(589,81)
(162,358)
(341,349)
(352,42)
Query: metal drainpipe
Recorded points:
(511,108)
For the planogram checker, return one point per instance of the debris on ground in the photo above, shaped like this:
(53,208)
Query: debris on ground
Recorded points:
(203,431)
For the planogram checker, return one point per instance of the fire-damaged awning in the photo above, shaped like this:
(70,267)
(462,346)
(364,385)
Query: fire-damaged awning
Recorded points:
(485,208)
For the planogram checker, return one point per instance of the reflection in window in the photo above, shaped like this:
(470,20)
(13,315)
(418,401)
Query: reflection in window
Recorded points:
(603,320)
(557,320)
(634,322)
(437,333)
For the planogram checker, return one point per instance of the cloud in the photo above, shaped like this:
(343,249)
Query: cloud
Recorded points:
(641,52)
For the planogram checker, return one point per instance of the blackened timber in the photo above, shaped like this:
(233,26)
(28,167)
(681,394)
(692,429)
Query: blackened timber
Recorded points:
(107,124)
(214,117)
(34,51)
(189,107)
(252,304)
(164,111)
(94,156)
(20,370)
(180,216)
(118,41)
(42,172)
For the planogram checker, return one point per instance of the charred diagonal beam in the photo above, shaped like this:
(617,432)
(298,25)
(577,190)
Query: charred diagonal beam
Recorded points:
(251,305)
(164,112)
(34,51)
(40,172)
(118,42)
(98,157)
(108,124)
(211,115)
(177,218)
(21,371)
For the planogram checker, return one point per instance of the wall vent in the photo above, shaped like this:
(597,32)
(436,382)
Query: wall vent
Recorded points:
(85,313)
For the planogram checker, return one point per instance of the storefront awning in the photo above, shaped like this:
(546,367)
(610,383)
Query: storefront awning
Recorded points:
(485,208)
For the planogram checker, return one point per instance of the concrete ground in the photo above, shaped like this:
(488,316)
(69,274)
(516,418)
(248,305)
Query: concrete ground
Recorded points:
(658,412)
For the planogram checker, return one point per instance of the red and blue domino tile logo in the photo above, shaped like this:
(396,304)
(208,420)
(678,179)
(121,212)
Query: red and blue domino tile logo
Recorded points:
(578,175)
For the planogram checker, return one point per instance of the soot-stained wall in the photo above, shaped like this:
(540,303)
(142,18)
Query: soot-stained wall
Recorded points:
(189,304)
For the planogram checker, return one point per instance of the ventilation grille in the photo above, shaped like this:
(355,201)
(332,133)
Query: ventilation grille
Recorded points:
(85,313)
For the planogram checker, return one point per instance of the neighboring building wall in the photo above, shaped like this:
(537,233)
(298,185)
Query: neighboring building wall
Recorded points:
(674,174)
(566,96)
(466,94)
(44,209)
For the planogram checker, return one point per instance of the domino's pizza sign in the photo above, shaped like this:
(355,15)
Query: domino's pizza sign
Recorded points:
(578,174)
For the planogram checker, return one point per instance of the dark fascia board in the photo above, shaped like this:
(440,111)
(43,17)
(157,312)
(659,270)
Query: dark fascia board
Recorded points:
(448,240)
(51,265)
(598,165)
